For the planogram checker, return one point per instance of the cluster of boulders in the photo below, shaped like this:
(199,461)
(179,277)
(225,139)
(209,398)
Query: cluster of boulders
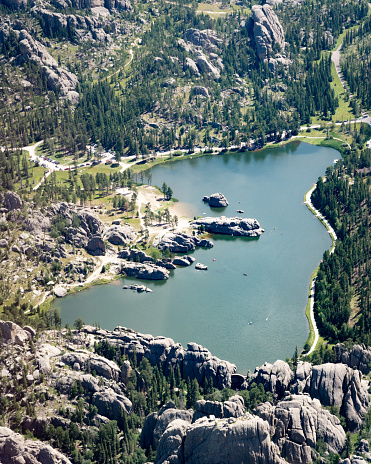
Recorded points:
(144,271)
(182,243)
(216,200)
(238,227)
(357,357)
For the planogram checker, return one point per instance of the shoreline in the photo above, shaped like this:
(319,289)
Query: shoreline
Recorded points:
(313,337)
(181,209)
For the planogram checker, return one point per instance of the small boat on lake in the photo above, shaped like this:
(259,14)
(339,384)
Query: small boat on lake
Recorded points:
(201,267)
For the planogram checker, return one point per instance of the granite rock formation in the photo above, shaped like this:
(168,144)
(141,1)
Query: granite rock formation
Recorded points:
(216,200)
(182,243)
(267,30)
(230,226)
(120,235)
(145,271)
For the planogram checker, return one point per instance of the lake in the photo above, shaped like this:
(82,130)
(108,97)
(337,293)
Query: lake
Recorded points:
(245,319)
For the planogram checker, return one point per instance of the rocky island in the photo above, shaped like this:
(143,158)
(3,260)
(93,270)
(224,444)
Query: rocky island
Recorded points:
(238,227)
(216,200)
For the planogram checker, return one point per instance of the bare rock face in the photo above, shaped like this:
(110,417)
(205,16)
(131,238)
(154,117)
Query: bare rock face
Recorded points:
(12,333)
(230,226)
(120,235)
(60,292)
(200,90)
(267,30)
(297,423)
(339,385)
(276,378)
(12,201)
(133,254)
(15,449)
(34,51)
(102,366)
(206,67)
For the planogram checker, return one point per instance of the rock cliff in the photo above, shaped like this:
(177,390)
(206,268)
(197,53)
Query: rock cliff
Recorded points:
(267,31)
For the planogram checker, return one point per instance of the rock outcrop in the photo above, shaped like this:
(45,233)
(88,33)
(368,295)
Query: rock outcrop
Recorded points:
(60,292)
(12,333)
(145,271)
(230,226)
(120,235)
(57,78)
(207,39)
(297,423)
(183,260)
(275,378)
(15,449)
(83,360)
(135,255)
(110,403)
(245,439)
(216,200)
(234,407)
(182,243)
(339,385)
(96,246)
(358,357)
(267,31)
(12,201)
(195,362)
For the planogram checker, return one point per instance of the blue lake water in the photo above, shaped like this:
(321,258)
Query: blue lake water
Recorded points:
(214,307)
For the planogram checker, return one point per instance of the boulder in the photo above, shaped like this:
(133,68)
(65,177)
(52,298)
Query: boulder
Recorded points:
(96,246)
(12,201)
(15,449)
(216,200)
(267,30)
(125,372)
(183,260)
(229,226)
(339,385)
(109,403)
(12,333)
(205,66)
(200,90)
(60,292)
(30,330)
(120,235)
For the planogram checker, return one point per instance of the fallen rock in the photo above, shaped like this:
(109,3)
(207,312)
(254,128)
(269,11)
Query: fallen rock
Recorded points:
(216,200)
(229,226)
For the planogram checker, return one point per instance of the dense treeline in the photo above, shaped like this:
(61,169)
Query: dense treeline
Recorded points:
(343,292)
